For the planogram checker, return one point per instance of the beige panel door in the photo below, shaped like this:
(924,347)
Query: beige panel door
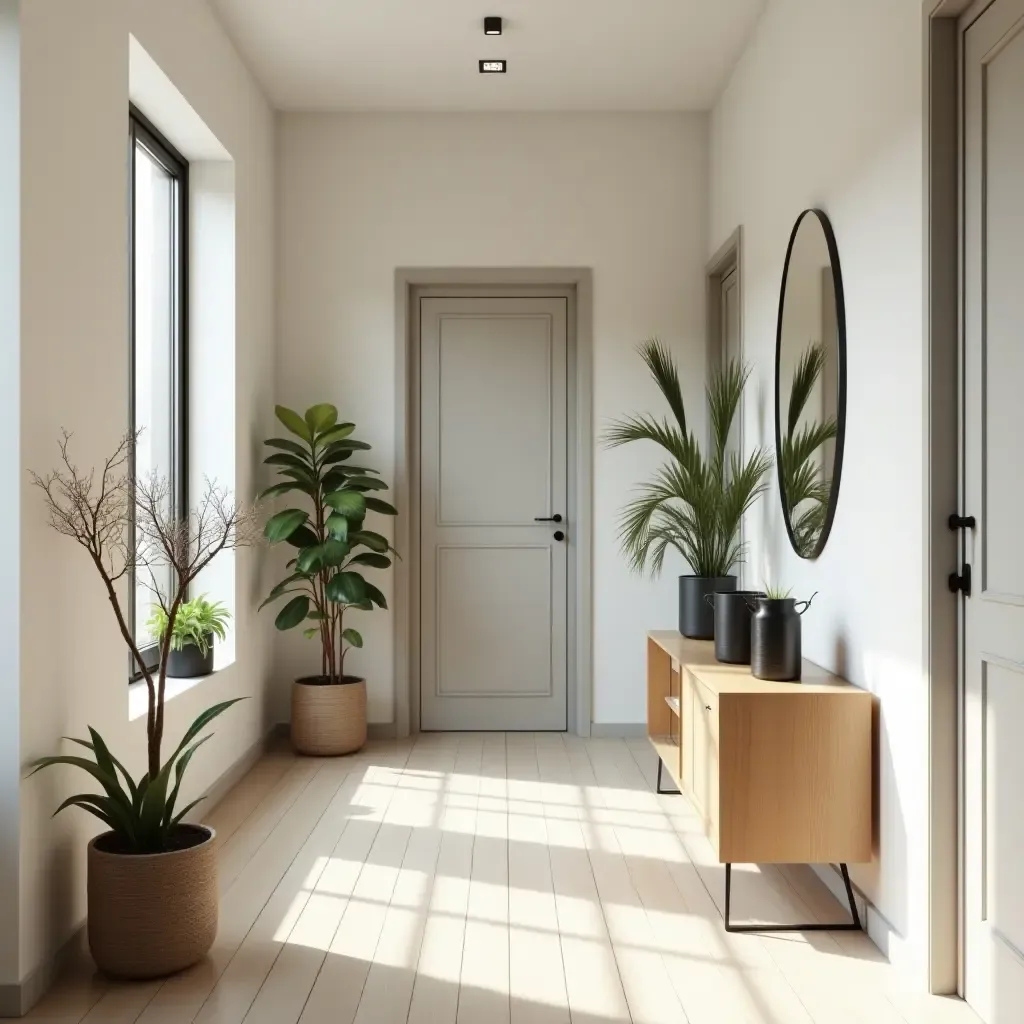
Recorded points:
(493,439)
(994,493)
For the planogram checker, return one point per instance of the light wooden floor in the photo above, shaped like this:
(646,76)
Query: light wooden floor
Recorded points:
(481,879)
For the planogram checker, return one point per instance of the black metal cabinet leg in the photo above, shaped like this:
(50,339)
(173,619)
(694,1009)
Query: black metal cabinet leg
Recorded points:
(664,792)
(853,925)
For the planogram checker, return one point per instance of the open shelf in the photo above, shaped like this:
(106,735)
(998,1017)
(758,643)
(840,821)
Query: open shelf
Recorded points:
(667,748)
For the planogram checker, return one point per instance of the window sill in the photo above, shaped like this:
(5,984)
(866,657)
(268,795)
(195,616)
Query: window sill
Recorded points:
(138,697)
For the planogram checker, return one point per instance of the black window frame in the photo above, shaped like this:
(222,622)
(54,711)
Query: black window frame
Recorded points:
(142,132)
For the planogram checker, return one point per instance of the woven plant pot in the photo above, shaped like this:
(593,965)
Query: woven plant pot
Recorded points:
(328,720)
(151,915)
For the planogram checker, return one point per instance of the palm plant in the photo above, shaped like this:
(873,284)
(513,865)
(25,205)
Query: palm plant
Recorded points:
(806,487)
(696,502)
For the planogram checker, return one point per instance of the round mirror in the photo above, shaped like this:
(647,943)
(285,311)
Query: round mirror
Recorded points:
(810,383)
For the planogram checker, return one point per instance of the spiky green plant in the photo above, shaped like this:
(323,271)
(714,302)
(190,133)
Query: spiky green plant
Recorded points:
(778,593)
(198,622)
(696,502)
(806,486)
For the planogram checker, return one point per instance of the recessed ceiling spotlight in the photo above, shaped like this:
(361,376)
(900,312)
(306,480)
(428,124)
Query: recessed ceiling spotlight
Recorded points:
(493,67)
(492,26)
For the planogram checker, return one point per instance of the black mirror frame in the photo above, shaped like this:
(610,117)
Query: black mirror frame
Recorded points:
(837,474)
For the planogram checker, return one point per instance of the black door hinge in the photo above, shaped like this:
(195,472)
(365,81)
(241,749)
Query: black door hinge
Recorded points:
(961,583)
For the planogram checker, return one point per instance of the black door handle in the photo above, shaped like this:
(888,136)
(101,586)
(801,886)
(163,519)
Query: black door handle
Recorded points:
(559,535)
(549,519)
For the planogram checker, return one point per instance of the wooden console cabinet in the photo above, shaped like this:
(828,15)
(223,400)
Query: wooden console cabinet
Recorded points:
(778,772)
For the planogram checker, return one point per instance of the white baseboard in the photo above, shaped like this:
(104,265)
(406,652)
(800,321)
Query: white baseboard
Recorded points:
(618,730)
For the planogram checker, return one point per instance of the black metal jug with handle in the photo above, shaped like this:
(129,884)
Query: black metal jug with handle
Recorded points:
(775,653)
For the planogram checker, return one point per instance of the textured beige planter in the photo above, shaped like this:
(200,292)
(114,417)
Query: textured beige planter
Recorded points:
(328,720)
(152,914)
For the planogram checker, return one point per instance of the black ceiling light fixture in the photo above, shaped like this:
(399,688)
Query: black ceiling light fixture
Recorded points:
(492,26)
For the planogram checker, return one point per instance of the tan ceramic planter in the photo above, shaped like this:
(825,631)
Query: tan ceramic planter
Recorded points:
(152,914)
(328,720)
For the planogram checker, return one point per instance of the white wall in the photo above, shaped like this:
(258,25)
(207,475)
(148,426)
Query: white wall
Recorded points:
(622,194)
(825,108)
(74,109)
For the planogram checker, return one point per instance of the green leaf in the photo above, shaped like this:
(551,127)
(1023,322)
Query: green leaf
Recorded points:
(310,633)
(346,588)
(371,558)
(303,537)
(376,505)
(292,613)
(374,541)
(321,417)
(179,774)
(301,476)
(294,422)
(336,433)
(108,780)
(281,526)
(124,771)
(376,596)
(188,807)
(284,459)
(332,553)
(348,445)
(278,489)
(149,833)
(367,483)
(350,504)
(290,446)
(337,526)
(353,637)
(282,587)
(201,723)
(101,808)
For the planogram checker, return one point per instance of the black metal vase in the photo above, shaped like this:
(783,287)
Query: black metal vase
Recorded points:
(775,641)
(696,615)
(733,614)
(190,662)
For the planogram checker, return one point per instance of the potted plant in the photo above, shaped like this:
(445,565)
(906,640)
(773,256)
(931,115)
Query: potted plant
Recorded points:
(806,489)
(775,643)
(152,881)
(696,502)
(199,622)
(332,550)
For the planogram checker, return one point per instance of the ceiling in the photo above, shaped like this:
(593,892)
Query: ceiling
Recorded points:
(422,54)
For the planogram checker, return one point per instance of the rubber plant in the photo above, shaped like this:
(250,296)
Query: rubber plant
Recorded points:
(129,527)
(333,547)
(806,488)
(696,501)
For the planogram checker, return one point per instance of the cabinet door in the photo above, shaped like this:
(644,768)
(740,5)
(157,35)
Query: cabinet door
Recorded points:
(704,715)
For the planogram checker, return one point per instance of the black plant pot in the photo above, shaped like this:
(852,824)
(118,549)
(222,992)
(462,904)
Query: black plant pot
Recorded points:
(733,614)
(775,641)
(189,662)
(696,615)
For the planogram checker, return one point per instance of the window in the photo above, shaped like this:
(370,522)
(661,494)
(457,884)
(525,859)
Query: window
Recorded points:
(158,319)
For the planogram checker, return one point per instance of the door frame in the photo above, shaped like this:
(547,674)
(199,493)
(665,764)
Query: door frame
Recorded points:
(575,284)
(944,23)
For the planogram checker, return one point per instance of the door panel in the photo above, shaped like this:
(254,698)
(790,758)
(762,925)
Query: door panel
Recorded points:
(493,459)
(993,713)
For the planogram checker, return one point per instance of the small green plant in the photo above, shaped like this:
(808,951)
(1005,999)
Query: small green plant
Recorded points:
(333,546)
(696,502)
(806,487)
(198,622)
(778,593)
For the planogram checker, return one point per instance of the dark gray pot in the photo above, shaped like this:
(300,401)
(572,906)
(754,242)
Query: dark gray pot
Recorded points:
(775,641)
(733,614)
(696,615)
(189,663)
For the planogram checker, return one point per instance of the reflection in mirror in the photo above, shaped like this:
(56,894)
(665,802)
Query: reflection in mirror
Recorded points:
(810,389)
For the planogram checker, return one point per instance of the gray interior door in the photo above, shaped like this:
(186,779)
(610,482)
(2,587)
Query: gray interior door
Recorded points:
(493,466)
(993,717)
